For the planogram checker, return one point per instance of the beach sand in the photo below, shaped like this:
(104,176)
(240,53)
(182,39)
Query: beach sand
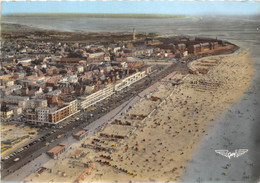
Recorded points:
(160,146)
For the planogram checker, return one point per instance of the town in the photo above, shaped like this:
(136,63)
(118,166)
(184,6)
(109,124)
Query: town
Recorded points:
(50,85)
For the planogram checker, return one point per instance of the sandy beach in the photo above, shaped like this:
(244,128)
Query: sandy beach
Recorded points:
(156,139)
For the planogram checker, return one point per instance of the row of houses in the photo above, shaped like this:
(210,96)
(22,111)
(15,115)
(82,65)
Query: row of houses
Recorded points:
(203,47)
(85,102)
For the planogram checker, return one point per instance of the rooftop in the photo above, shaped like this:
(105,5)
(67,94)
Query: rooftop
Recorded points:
(57,149)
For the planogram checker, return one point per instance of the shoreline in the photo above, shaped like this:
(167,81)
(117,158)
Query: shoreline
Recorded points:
(232,130)
(178,125)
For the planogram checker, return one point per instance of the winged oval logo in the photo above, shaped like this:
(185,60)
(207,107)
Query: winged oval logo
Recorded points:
(236,154)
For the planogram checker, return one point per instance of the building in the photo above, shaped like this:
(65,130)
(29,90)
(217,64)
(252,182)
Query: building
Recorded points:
(92,99)
(56,151)
(42,114)
(68,79)
(10,89)
(154,42)
(196,48)
(80,68)
(8,82)
(25,62)
(63,113)
(129,80)
(107,58)
(70,60)
(52,116)
(80,135)
(181,47)
(35,103)
(16,100)
(7,76)
(31,116)
(6,113)
(16,110)
(77,154)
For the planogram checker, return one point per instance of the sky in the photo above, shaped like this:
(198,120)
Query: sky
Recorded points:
(143,7)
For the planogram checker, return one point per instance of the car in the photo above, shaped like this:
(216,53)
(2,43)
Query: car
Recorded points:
(16,159)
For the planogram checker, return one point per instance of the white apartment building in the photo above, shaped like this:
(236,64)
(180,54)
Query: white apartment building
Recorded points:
(53,116)
(43,113)
(85,102)
(129,80)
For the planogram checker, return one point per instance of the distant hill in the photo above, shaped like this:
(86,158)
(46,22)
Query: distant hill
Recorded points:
(97,15)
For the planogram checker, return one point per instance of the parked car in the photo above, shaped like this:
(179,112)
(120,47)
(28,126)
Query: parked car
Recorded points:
(16,159)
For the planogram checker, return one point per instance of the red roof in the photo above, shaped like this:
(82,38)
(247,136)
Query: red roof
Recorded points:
(57,149)
(80,133)
(77,152)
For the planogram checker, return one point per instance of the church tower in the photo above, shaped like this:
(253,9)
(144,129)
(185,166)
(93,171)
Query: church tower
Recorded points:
(134,32)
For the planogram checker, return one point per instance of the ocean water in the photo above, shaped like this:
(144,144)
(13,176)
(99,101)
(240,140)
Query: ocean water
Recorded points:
(243,32)
(189,25)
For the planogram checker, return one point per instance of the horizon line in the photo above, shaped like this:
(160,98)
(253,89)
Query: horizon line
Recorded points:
(144,14)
